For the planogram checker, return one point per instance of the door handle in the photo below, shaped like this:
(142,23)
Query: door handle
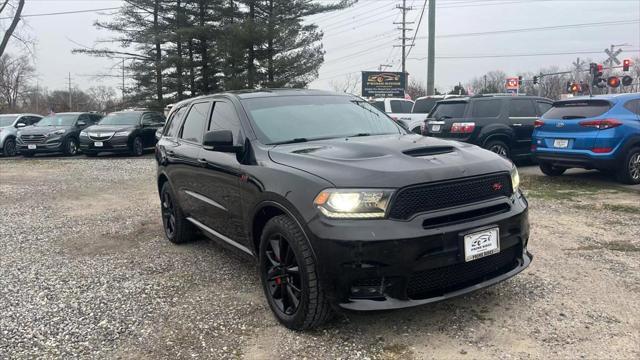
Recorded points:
(170,152)
(203,162)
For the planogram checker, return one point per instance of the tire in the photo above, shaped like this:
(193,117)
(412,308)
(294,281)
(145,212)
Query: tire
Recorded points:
(292,278)
(629,172)
(498,147)
(9,149)
(177,228)
(90,154)
(551,170)
(137,148)
(70,147)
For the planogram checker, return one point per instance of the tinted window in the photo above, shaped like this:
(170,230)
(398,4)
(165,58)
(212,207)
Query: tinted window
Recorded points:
(522,108)
(401,106)
(85,117)
(225,118)
(378,105)
(424,106)
(633,106)
(486,108)
(157,118)
(95,118)
(194,124)
(286,118)
(577,109)
(544,107)
(448,110)
(33,120)
(174,122)
(147,119)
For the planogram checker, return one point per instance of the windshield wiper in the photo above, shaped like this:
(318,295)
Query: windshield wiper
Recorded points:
(292,141)
(359,134)
(571,117)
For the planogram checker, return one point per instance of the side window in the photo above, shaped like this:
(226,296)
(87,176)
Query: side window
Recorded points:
(85,118)
(396,106)
(406,107)
(174,122)
(486,108)
(147,119)
(157,118)
(522,108)
(544,107)
(225,118)
(34,120)
(96,118)
(633,106)
(193,127)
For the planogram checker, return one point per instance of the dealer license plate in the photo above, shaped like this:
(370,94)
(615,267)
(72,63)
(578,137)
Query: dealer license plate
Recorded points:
(435,128)
(98,144)
(561,143)
(482,243)
(32,147)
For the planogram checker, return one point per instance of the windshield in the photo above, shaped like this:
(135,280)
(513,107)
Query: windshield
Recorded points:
(448,110)
(424,106)
(120,119)
(7,120)
(300,118)
(58,120)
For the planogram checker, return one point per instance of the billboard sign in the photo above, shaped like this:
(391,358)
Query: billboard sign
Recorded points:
(383,84)
(512,83)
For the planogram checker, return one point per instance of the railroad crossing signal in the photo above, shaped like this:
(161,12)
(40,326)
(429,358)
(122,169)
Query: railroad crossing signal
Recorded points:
(613,56)
(626,63)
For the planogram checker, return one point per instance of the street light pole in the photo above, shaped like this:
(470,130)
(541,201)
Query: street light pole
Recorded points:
(431,57)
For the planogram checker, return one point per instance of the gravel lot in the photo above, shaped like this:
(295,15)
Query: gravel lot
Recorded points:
(86,272)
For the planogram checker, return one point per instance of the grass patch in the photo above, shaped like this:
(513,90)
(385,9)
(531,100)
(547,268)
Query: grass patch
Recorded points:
(613,246)
(558,188)
(622,208)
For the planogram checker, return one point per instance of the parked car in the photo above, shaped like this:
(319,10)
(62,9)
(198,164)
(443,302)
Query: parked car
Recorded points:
(502,124)
(339,204)
(424,104)
(600,132)
(9,125)
(55,133)
(125,131)
(400,110)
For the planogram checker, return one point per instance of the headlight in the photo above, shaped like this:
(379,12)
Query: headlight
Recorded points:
(83,133)
(515,179)
(59,132)
(353,204)
(19,133)
(122,133)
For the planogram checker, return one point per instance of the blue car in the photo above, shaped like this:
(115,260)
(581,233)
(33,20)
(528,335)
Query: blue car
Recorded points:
(599,132)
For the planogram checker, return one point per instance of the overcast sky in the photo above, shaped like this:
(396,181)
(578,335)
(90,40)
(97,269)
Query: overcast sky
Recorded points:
(362,37)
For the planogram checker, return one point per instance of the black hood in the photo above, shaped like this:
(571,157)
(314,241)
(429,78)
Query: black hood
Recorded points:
(110,128)
(41,130)
(389,160)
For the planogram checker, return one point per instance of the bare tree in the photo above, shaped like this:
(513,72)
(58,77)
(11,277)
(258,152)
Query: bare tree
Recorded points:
(14,23)
(350,84)
(416,89)
(104,98)
(15,74)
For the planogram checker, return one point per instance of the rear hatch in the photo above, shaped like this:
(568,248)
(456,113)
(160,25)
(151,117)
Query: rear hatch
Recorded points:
(443,115)
(561,127)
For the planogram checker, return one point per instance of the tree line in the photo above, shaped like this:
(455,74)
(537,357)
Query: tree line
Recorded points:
(182,48)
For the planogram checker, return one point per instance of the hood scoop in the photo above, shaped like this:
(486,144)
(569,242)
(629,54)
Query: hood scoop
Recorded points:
(429,151)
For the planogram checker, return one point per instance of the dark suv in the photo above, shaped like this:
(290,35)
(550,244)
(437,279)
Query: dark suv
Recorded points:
(55,133)
(502,124)
(341,207)
(125,131)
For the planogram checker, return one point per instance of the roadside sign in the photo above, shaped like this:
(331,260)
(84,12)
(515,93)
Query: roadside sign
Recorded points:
(512,91)
(383,84)
(512,83)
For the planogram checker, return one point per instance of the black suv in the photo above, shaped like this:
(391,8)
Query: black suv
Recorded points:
(125,131)
(55,133)
(341,207)
(502,124)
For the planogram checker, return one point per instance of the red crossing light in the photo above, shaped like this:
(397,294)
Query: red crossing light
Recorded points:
(626,63)
(613,81)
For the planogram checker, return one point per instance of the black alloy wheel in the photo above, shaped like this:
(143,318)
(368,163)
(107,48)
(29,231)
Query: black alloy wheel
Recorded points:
(168,215)
(9,148)
(282,274)
(177,228)
(71,147)
(137,148)
(499,148)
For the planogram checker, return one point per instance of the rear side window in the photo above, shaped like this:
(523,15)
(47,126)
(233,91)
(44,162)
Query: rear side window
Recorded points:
(544,106)
(522,108)
(378,105)
(401,106)
(633,106)
(486,108)
(174,122)
(194,124)
(577,109)
(448,110)
(424,106)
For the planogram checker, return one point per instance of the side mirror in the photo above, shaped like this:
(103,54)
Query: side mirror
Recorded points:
(221,140)
(82,123)
(20,125)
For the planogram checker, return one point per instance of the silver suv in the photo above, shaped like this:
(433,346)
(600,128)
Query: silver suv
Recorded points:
(9,124)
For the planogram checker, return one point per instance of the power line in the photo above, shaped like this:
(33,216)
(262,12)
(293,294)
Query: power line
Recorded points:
(413,41)
(64,13)
(486,56)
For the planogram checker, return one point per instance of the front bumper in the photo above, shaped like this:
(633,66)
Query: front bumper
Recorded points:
(48,145)
(388,264)
(113,144)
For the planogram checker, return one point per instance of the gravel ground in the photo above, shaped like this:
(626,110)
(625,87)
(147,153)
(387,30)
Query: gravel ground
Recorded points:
(86,272)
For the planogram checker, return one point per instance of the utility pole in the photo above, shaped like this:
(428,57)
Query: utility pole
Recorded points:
(37,94)
(404,30)
(70,108)
(123,86)
(431,57)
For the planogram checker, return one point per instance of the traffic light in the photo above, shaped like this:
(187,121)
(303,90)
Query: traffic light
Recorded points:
(536,80)
(519,80)
(596,74)
(626,63)
(627,80)
(569,86)
(575,88)
(613,81)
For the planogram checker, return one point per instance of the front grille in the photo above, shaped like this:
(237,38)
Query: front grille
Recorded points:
(100,136)
(428,197)
(32,139)
(439,281)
